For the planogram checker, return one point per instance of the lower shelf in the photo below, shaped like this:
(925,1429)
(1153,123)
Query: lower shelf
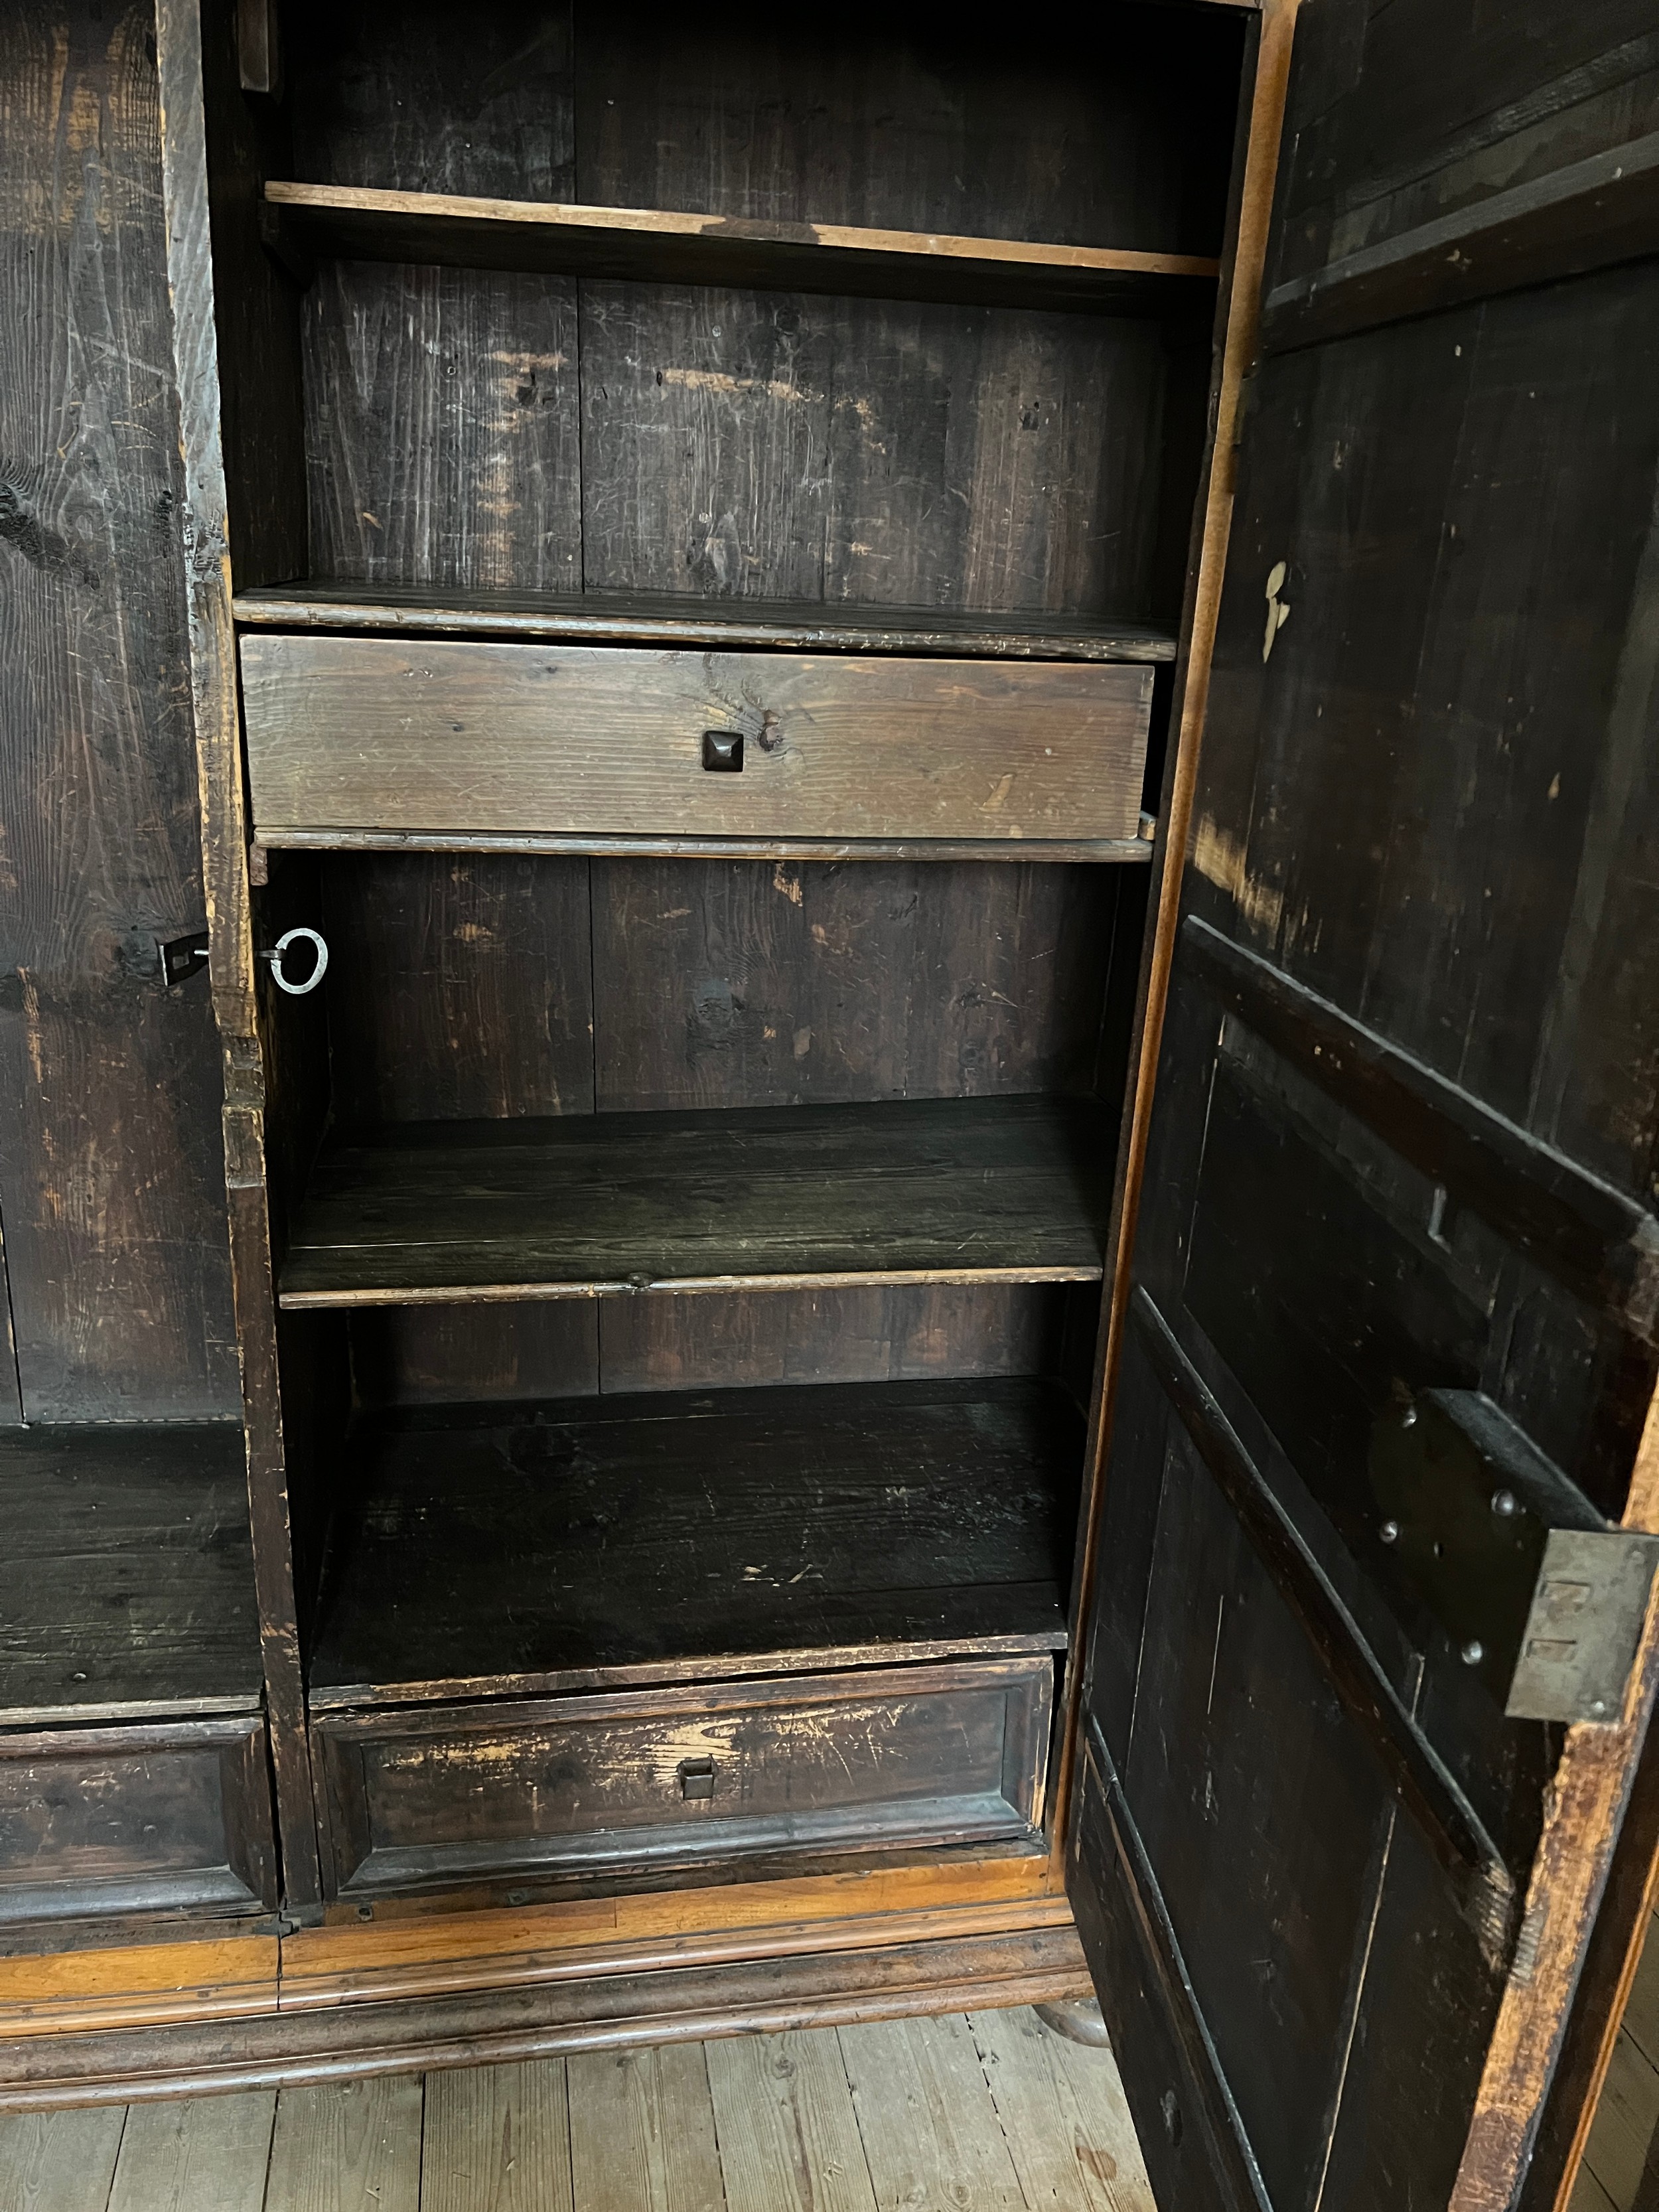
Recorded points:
(683,1537)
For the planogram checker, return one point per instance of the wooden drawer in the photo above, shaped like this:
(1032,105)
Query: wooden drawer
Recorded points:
(907,1756)
(164,1817)
(358,735)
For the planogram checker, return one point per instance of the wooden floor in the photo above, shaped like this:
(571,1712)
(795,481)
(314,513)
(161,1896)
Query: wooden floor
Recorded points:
(987,2112)
(1620,2173)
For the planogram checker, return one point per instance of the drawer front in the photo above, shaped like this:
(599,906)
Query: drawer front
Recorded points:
(365,734)
(141,1818)
(909,1756)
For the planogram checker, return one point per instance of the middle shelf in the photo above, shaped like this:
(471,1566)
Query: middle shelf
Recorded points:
(945,1190)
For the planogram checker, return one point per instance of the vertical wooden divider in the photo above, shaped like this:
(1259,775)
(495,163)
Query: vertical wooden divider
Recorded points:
(207,541)
(1238,315)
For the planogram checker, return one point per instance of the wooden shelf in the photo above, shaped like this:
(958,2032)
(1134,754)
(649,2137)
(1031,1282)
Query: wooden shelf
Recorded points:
(924,1190)
(692,1536)
(127,1574)
(716,625)
(663,246)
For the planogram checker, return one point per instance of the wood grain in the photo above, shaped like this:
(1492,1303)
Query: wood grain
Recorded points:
(429,1951)
(360,733)
(463,987)
(205,2154)
(745,985)
(58,2161)
(348,2147)
(637,2006)
(643,2131)
(661,245)
(64,1992)
(796,122)
(930,2132)
(1062,2110)
(671,618)
(442,434)
(948,1190)
(197,60)
(497,2139)
(788,2135)
(631,1537)
(1258,124)
(884,453)
(120,1295)
(126,1582)
(946,1755)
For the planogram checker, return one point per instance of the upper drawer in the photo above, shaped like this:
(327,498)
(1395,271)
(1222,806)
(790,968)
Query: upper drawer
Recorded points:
(357,734)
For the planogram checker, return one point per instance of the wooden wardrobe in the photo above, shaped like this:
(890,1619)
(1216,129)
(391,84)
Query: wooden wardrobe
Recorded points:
(894,779)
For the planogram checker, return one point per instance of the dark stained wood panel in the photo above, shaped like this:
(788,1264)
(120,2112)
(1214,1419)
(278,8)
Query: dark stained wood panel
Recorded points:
(956,1190)
(1119,134)
(337,602)
(1411,117)
(150,1819)
(872,1332)
(126,1573)
(111,1178)
(462,986)
(870,1760)
(675,1536)
(831,450)
(741,984)
(422,98)
(1485,572)
(656,245)
(443,438)
(367,734)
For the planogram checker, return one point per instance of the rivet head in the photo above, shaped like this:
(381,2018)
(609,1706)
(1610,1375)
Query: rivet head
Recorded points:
(1502,1504)
(1473,1652)
(1390,1532)
(1598,1706)
(1408,1419)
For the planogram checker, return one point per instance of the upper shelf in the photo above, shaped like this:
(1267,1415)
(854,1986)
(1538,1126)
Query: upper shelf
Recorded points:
(664,246)
(955,1190)
(716,625)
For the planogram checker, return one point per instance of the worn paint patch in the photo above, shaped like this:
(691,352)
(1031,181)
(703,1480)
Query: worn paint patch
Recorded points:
(720,380)
(1278,612)
(1218,856)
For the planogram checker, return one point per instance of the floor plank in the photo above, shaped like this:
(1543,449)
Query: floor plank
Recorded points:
(789,2137)
(58,2161)
(1062,2109)
(348,2147)
(1624,2124)
(199,2155)
(497,2139)
(929,2131)
(643,2131)
(1589,2196)
(1641,2021)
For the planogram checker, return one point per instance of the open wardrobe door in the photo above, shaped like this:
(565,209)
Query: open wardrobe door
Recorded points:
(1368,1637)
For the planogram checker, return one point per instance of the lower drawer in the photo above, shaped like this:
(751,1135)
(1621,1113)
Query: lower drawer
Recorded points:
(169,1817)
(952,1753)
(367,737)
